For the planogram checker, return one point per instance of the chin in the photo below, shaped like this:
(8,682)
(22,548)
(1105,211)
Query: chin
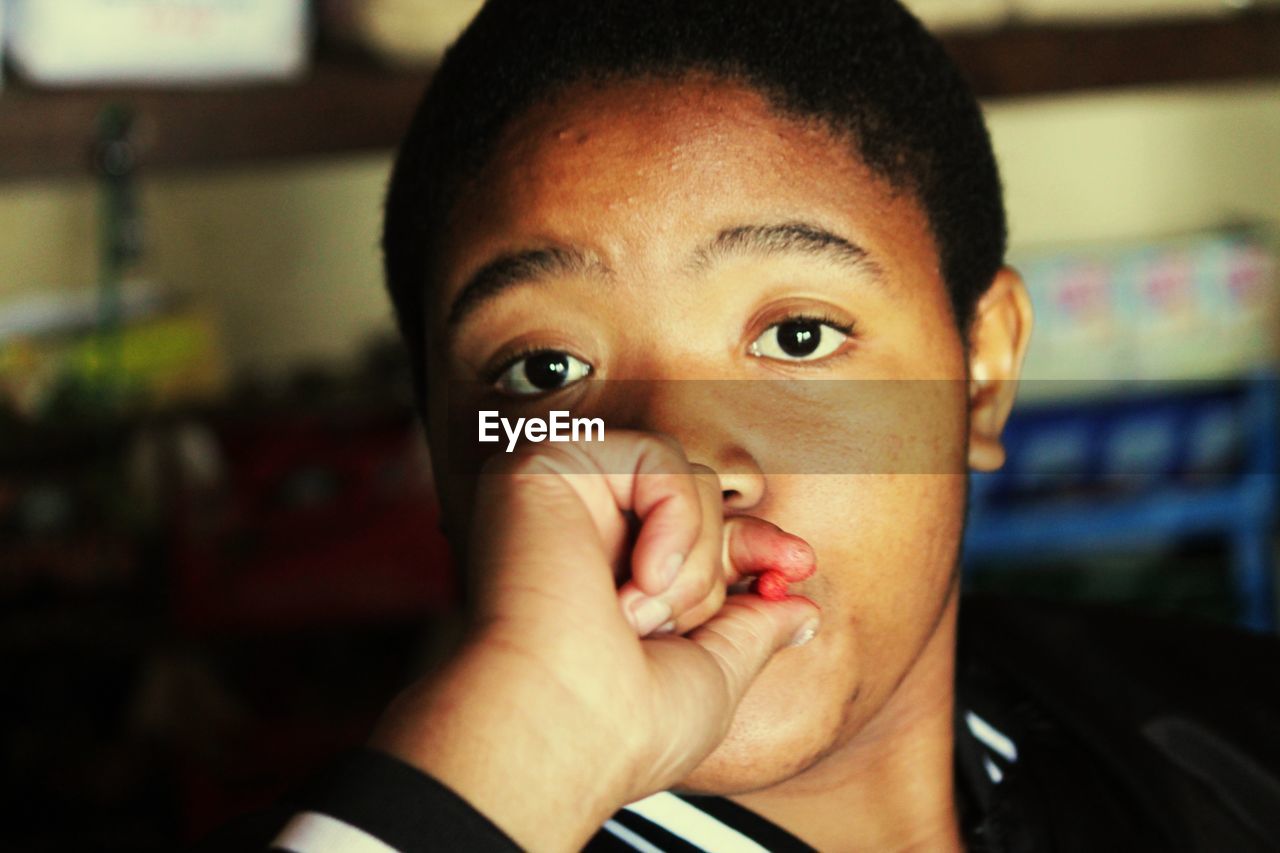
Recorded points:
(777,733)
(728,776)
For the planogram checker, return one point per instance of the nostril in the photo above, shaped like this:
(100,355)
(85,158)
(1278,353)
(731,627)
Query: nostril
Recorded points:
(742,484)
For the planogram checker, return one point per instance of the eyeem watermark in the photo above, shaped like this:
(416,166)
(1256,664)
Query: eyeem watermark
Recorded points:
(559,428)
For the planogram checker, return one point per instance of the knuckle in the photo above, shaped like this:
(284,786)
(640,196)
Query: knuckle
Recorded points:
(666,445)
(703,611)
(741,644)
(705,584)
(707,478)
(712,580)
(506,463)
(716,597)
(701,470)
(526,469)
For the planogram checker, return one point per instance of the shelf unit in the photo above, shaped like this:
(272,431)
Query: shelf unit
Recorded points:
(345,105)
(1238,508)
(342,106)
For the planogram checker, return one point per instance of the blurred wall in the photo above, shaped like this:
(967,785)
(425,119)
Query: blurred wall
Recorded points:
(1138,164)
(288,254)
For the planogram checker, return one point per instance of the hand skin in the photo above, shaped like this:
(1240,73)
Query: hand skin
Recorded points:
(557,711)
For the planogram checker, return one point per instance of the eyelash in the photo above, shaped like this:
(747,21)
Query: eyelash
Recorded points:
(493,374)
(848,329)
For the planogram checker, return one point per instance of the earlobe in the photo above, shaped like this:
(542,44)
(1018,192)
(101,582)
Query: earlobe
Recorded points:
(998,342)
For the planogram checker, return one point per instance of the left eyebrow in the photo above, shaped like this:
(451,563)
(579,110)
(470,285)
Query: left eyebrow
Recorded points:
(522,268)
(786,238)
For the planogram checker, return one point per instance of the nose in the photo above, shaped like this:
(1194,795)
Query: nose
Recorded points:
(714,432)
(742,484)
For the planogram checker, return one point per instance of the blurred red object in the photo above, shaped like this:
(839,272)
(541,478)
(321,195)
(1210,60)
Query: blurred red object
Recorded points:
(315,521)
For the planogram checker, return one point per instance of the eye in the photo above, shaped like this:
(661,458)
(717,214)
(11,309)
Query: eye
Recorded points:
(801,339)
(540,373)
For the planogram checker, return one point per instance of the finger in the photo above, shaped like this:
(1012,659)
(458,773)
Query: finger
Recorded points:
(531,527)
(667,501)
(699,583)
(648,475)
(747,632)
(699,590)
(749,546)
(753,546)
(551,501)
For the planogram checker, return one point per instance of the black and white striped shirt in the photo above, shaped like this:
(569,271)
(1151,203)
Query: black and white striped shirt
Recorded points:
(1077,728)
(384,812)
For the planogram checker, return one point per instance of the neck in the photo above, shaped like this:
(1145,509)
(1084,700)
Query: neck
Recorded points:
(891,786)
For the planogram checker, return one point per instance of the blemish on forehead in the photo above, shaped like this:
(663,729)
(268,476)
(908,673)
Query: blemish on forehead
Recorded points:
(671,149)
(577,136)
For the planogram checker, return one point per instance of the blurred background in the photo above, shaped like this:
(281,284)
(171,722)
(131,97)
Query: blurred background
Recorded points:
(218,543)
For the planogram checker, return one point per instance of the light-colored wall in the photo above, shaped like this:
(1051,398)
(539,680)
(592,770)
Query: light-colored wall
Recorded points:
(1138,164)
(288,254)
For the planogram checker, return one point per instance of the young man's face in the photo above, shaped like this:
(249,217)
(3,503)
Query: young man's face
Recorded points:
(699,220)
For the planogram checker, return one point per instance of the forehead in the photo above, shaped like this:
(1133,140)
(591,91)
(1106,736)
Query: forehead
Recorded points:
(640,171)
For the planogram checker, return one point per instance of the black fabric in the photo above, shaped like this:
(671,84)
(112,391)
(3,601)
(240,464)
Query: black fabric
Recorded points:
(386,798)
(973,787)
(403,807)
(1082,686)
(1132,733)
(1239,783)
(1058,795)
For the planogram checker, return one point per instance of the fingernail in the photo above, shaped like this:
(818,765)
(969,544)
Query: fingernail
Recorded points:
(670,568)
(648,613)
(667,628)
(805,634)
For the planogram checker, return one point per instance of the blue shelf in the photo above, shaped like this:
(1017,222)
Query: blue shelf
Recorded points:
(1160,507)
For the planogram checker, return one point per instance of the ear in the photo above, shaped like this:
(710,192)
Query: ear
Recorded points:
(997,343)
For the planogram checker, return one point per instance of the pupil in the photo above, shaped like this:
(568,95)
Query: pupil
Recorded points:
(800,337)
(547,370)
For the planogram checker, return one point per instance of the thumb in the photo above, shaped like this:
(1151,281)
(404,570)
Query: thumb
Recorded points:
(748,631)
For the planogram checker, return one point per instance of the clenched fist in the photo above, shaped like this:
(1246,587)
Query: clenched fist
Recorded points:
(612,637)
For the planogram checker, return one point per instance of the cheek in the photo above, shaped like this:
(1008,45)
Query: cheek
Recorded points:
(851,426)
(891,557)
(886,548)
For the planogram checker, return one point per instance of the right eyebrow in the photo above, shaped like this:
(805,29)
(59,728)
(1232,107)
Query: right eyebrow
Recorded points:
(522,268)
(802,238)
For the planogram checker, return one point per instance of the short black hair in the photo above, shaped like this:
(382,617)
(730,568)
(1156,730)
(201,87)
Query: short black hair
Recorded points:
(866,68)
